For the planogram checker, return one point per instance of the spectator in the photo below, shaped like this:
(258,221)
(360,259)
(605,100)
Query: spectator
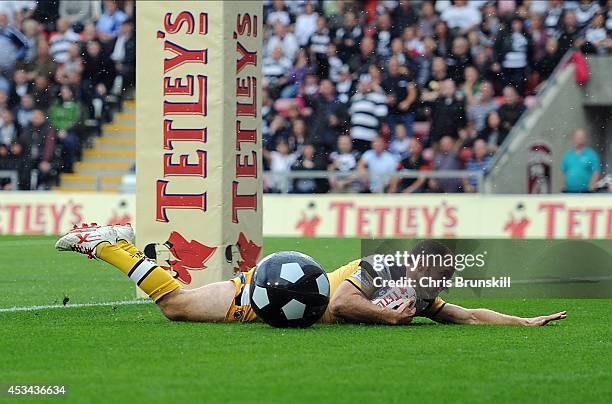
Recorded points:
(552,17)
(414,162)
(64,115)
(285,40)
(400,144)
(513,54)
(275,69)
(427,19)
(512,108)
(446,159)
(40,139)
(8,128)
(401,98)
(124,56)
(377,167)
(569,37)
(459,59)
(348,37)
(279,14)
(79,11)
(299,137)
(477,163)
(328,117)
(494,133)
(43,65)
(344,160)
(448,113)
(108,25)
(60,41)
(367,110)
(280,162)
(42,92)
(431,90)
(471,85)
(580,166)
(550,60)
(13,44)
(383,36)
(23,112)
(306,24)
(20,87)
(296,77)
(596,35)
(482,105)
(309,162)
(461,16)
(319,41)
(366,57)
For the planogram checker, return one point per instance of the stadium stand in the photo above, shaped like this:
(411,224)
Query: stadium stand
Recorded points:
(410,72)
(65,69)
(466,70)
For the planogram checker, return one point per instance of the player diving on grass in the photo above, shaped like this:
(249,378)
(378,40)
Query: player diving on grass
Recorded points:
(354,296)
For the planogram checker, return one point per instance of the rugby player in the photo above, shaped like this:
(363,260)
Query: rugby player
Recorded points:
(352,291)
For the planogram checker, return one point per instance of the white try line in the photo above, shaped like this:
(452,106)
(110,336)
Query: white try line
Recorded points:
(74,306)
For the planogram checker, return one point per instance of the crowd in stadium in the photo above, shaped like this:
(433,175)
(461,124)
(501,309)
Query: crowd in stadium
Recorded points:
(373,87)
(64,67)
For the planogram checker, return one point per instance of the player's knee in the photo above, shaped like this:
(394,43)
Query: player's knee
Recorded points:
(172,308)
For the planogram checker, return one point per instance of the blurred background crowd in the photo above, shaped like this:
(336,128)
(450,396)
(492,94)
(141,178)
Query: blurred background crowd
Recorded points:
(374,87)
(366,87)
(65,67)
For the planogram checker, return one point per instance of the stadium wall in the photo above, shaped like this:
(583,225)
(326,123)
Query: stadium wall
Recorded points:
(345,215)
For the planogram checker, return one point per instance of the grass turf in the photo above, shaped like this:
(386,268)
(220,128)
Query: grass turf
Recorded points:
(132,353)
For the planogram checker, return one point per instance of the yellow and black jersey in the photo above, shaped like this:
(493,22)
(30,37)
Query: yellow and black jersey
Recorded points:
(358,272)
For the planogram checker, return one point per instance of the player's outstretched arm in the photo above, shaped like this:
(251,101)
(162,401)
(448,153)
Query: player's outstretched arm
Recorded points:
(454,314)
(350,304)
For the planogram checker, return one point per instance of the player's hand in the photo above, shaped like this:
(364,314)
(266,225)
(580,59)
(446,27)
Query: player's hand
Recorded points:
(543,320)
(404,313)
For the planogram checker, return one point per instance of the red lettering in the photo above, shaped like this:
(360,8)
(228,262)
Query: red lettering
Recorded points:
(171,134)
(246,58)
(178,88)
(183,56)
(592,213)
(572,222)
(381,219)
(56,217)
(429,220)
(246,88)
(241,202)
(551,209)
(12,214)
(183,18)
(341,218)
(362,221)
(244,135)
(184,167)
(190,108)
(609,226)
(203,24)
(244,168)
(167,201)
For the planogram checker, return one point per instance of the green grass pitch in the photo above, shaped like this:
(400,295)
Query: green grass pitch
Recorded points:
(132,353)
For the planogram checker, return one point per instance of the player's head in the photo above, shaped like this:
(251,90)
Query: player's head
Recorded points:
(432,266)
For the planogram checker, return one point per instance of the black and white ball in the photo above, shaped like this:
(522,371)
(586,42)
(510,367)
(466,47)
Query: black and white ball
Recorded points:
(289,289)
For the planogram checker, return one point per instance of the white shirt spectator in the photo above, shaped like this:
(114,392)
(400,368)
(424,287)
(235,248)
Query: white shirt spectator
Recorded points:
(461,17)
(288,44)
(274,69)
(380,168)
(280,163)
(305,26)
(278,16)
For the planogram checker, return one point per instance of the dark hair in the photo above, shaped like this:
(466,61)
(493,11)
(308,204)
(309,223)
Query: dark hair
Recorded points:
(433,247)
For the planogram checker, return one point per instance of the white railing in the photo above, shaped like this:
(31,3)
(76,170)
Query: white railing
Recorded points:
(283,180)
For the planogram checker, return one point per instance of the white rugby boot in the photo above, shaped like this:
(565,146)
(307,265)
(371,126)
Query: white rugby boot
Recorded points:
(86,239)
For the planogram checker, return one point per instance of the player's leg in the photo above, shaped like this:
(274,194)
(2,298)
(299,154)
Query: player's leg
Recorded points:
(209,303)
